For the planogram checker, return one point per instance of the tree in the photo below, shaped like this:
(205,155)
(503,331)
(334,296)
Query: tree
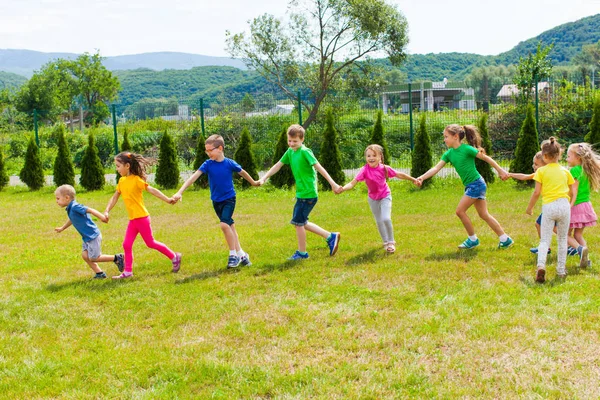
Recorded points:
(329,156)
(284,178)
(487,81)
(378,138)
(64,173)
(167,171)
(532,69)
(126,145)
(485,169)
(527,146)
(37,94)
(92,171)
(244,156)
(4,179)
(248,103)
(32,173)
(323,39)
(588,60)
(421,155)
(593,136)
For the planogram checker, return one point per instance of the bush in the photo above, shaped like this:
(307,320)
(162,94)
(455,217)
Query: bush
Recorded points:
(32,173)
(64,173)
(167,171)
(125,146)
(421,155)
(329,156)
(283,178)
(4,179)
(201,156)
(378,138)
(527,146)
(92,172)
(593,136)
(243,155)
(484,168)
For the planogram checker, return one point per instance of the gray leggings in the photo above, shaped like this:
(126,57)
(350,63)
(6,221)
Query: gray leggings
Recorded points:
(382,211)
(559,212)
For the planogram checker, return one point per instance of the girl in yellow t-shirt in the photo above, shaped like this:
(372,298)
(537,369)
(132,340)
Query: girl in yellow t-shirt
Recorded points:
(132,168)
(555,184)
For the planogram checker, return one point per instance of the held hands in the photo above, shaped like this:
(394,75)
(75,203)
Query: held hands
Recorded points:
(418,182)
(260,182)
(503,174)
(176,197)
(106,217)
(339,190)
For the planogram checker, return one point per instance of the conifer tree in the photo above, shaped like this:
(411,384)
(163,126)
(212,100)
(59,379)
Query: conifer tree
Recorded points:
(201,156)
(167,171)
(484,168)
(126,145)
(378,138)
(527,146)
(421,155)
(330,157)
(244,156)
(92,171)
(283,178)
(32,173)
(64,172)
(593,136)
(4,179)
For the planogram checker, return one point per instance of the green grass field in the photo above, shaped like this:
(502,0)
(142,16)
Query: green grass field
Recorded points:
(427,322)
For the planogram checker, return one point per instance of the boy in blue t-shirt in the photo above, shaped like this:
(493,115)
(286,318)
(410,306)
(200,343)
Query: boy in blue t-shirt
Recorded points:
(220,180)
(92,238)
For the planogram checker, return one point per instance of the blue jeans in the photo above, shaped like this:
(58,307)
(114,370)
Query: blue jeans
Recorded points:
(302,209)
(476,189)
(225,209)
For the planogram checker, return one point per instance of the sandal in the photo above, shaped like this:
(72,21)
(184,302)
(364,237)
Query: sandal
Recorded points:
(390,248)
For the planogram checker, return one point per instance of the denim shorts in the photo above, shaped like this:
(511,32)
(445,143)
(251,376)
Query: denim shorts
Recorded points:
(225,209)
(302,209)
(93,247)
(476,189)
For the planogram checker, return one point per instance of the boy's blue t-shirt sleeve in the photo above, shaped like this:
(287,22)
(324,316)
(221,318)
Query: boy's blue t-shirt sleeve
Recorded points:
(204,167)
(79,209)
(234,165)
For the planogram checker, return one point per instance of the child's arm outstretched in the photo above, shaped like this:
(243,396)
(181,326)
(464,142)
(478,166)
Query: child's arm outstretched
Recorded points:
(177,196)
(347,186)
(157,193)
(432,171)
(501,171)
(274,169)
(65,226)
(520,177)
(402,175)
(247,177)
(534,198)
(111,203)
(334,186)
(97,214)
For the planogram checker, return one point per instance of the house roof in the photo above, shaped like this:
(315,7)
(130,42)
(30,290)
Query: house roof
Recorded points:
(513,90)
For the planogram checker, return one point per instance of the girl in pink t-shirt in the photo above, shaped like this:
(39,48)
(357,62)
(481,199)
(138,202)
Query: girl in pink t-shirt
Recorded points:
(375,174)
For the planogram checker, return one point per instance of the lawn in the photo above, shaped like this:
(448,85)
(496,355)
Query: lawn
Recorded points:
(427,322)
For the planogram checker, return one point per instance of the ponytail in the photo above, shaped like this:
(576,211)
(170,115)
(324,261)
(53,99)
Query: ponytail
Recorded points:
(468,132)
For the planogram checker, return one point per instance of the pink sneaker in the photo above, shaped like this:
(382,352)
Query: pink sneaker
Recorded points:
(176,263)
(124,275)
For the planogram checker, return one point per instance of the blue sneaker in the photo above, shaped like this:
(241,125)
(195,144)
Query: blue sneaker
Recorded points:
(534,250)
(333,242)
(572,251)
(469,244)
(245,260)
(233,262)
(506,244)
(298,256)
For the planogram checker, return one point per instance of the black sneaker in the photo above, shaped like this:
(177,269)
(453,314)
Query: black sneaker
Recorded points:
(245,260)
(120,262)
(100,275)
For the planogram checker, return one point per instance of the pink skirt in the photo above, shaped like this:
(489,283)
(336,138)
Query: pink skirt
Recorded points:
(583,215)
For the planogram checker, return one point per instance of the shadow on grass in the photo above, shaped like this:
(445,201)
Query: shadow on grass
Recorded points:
(367,257)
(283,266)
(530,282)
(207,275)
(89,284)
(464,255)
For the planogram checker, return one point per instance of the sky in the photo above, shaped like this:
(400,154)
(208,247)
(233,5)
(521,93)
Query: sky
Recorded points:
(116,27)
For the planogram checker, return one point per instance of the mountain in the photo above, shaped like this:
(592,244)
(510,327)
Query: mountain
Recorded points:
(9,80)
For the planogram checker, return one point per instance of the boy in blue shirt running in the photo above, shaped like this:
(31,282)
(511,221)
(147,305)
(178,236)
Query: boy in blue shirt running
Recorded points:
(92,238)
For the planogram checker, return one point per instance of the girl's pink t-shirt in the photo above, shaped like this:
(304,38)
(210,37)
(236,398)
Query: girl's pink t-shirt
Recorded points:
(375,180)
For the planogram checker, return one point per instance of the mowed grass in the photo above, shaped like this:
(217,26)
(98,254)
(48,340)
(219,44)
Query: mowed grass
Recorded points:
(427,322)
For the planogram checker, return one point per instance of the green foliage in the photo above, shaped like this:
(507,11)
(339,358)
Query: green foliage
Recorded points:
(378,137)
(485,169)
(593,136)
(530,70)
(64,173)
(32,173)
(200,158)
(421,156)
(92,172)
(283,178)
(527,146)
(4,178)
(248,103)
(126,145)
(329,156)
(245,157)
(167,171)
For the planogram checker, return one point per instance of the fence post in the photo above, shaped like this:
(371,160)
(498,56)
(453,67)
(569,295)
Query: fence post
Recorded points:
(410,113)
(537,106)
(299,110)
(35,127)
(114,118)
(202,116)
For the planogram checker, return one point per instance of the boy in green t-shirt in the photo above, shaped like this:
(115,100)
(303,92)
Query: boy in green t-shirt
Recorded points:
(303,164)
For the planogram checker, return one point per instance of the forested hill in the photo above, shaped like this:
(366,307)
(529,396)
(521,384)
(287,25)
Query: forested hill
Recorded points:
(9,80)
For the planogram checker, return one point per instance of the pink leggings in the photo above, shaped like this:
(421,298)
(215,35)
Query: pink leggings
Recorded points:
(141,226)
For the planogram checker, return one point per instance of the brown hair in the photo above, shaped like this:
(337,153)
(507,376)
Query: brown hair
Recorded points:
(137,163)
(468,132)
(551,148)
(379,150)
(296,131)
(215,141)
(66,190)
(590,162)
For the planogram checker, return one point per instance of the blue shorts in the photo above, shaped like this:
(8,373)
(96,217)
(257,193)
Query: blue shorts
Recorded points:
(476,189)
(302,209)
(225,209)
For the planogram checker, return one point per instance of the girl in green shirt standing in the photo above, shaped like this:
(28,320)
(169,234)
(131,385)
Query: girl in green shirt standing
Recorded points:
(462,156)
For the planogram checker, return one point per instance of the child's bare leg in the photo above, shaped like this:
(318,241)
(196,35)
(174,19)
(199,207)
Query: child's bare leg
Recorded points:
(301,235)
(317,229)
(104,258)
(481,207)
(578,235)
(461,212)
(94,266)
(230,235)
(571,240)
(238,246)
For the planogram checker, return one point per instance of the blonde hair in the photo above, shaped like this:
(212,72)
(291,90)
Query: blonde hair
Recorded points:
(590,162)
(551,148)
(65,190)
(468,132)
(215,141)
(296,131)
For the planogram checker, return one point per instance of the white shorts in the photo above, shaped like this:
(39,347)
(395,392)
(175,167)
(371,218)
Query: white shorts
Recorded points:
(93,247)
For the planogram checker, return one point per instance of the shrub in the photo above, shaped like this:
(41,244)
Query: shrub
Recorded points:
(167,171)
(201,156)
(484,168)
(32,173)
(378,138)
(283,178)
(92,172)
(593,136)
(243,155)
(64,173)
(125,146)
(421,155)
(329,156)
(3,174)
(527,146)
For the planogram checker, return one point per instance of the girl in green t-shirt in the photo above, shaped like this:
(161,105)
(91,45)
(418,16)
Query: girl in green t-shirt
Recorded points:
(585,168)
(462,156)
